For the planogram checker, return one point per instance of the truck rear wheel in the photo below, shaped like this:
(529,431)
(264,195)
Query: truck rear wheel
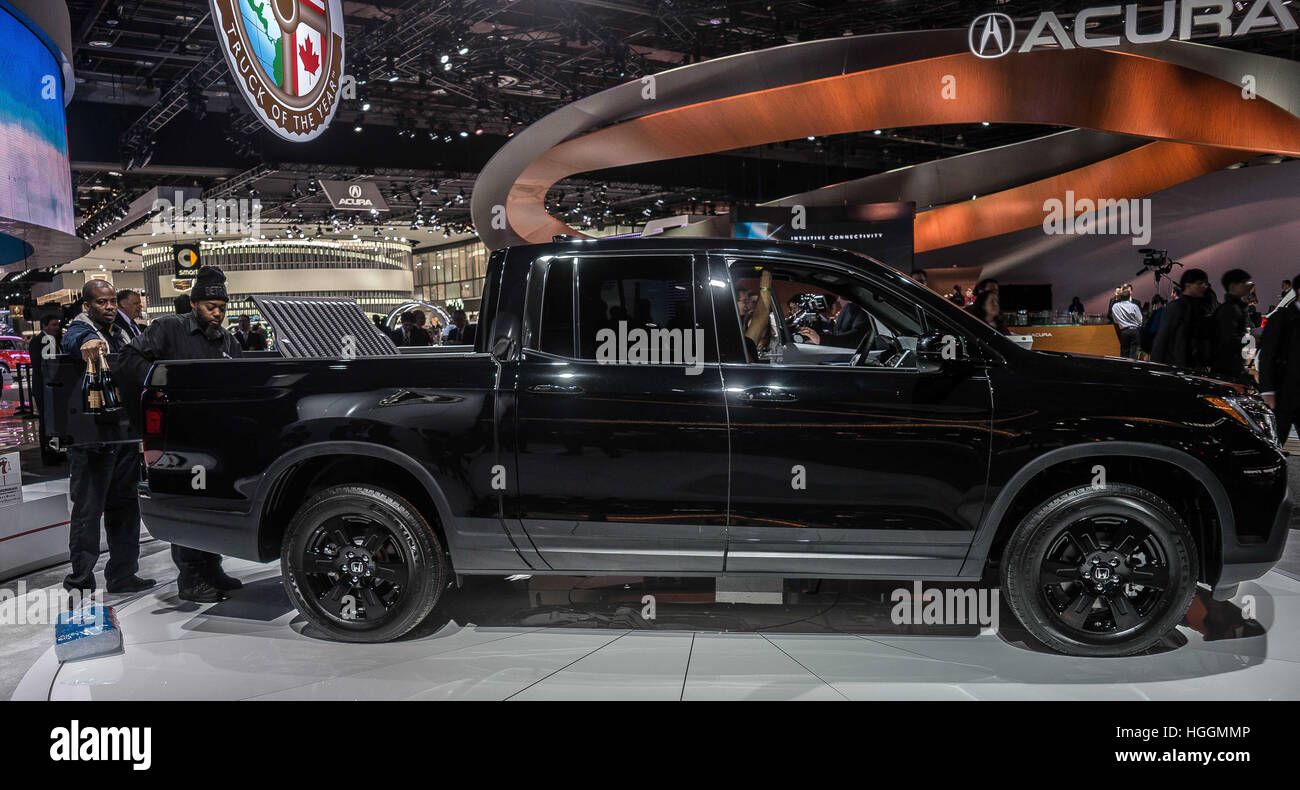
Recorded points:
(362,564)
(1103,571)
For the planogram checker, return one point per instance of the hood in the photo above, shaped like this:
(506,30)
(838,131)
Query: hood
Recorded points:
(1133,373)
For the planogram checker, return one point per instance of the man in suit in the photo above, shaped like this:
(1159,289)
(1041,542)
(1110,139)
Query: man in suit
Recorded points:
(129,308)
(244,333)
(454,334)
(410,333)
(1278,361)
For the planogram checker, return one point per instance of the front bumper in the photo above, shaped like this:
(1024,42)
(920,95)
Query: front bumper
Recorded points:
(1244,561)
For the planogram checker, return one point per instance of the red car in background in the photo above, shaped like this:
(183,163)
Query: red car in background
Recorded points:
(13,352)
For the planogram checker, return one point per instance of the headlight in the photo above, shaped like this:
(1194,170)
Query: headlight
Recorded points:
(1251,412)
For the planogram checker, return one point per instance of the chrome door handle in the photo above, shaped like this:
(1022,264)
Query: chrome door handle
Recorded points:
(557,389)
(767,395)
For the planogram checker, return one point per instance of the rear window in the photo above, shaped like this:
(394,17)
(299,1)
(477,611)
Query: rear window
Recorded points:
(652,292)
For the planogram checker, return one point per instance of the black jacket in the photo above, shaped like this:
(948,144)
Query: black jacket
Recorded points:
(170,337)
(1185,333)
(1230,326)
(1278,358)
(419,337)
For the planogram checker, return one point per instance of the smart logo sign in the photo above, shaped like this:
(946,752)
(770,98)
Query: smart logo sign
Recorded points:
(287,58)
(993,35)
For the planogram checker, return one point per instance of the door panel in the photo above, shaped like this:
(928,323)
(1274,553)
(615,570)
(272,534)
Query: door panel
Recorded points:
(850,470)
(622,466)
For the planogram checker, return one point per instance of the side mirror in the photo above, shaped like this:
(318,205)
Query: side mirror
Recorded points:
(502,347)
(937,351)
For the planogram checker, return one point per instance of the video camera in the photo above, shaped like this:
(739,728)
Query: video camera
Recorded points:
(807,311)
(1157,262)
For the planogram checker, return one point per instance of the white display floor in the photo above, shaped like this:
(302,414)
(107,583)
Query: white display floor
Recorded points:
(503,643)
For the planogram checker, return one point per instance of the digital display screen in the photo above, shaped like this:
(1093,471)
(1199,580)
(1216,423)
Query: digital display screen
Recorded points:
(35,176)
(881,230)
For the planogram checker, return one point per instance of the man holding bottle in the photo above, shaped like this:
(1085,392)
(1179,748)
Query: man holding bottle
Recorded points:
(102,477)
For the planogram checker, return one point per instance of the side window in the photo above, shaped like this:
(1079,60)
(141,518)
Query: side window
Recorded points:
(795,314)
(557,309)
(649,293)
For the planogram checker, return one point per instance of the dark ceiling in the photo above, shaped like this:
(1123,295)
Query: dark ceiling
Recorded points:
(153,90)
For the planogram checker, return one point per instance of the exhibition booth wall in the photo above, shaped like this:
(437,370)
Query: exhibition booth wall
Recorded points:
(1240,218)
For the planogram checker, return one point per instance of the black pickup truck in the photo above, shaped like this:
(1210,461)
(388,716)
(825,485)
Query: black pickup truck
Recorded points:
(683,407)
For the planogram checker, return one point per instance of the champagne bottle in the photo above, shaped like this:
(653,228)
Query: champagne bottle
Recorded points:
(112,400)
(92,392)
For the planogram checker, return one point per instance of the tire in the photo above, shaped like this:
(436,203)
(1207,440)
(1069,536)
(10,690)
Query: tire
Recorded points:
(397,562)
(1053,579)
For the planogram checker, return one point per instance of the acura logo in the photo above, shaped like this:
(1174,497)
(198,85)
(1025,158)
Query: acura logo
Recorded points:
(991,35)
(354,191)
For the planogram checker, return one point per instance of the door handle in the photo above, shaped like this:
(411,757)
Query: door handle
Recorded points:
(557,389)
(767,395)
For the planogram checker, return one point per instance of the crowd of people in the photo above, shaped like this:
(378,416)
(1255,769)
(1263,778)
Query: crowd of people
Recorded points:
(416,329)
(1195,330)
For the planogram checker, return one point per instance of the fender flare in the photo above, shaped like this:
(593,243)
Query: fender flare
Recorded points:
(977,557)
(276,471)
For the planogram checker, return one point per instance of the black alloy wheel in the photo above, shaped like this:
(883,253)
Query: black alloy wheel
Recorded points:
(1105,571)
(362,564)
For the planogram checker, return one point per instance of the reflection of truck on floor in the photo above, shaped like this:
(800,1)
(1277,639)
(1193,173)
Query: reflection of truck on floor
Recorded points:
(1099,492)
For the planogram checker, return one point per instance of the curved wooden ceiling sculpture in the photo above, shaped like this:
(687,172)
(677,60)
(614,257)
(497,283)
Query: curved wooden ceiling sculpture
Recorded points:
(1195,121)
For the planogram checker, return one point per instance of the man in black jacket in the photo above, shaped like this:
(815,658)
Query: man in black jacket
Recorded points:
(194,335)
(1185,324)
(1278,361)
(1231,323)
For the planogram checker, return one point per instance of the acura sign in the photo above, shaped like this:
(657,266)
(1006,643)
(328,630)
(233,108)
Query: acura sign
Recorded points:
(993,35)
(354,195)
(996,35)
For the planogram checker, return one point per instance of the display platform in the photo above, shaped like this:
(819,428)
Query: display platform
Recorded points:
(572,638)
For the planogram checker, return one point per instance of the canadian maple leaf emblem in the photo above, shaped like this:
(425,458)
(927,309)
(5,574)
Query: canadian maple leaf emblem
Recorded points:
(310,58)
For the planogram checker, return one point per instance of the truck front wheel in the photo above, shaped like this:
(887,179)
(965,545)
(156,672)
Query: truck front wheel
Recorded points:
(362,564)
(1105,571)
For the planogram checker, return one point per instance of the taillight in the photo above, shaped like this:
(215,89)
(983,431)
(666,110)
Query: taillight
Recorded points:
(154,405)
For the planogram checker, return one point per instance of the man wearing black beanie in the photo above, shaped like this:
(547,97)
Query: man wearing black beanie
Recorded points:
(194,335)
